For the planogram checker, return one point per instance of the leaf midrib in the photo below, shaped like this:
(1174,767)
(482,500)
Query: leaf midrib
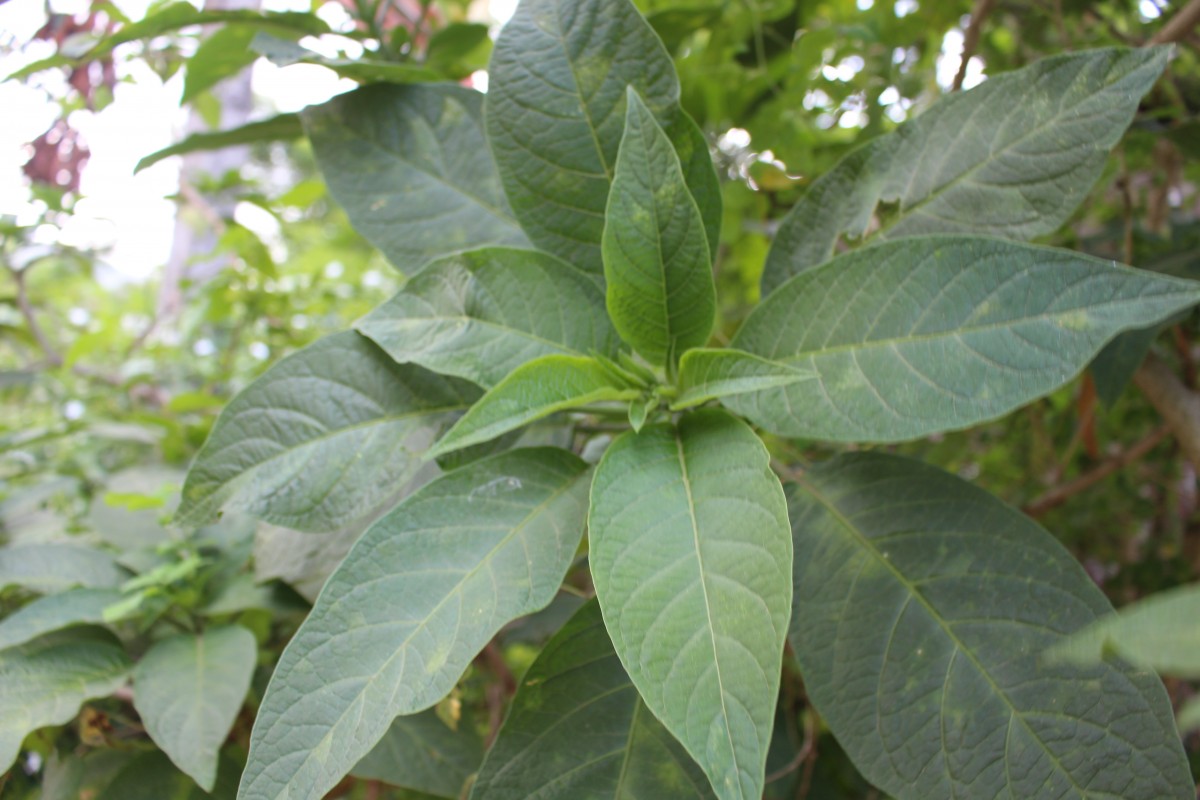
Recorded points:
(914,593)
(958,332)
(992,157)
(687,486)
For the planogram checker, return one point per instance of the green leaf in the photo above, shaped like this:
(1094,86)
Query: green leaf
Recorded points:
(710,374)
(1188,718)
(556,106)
(55,566)
(152,776)
(458,49)
(285,53)
(639,410)
(279,127)
(413,603)
(1012,157)
(481,314)
(188,690)
(1159,633)
(534,390)
(937,333)
(412,168)
(923,607)
(223,54)
(321,437)
(660,294)
(55,612)
(178,15)
(421,753)
(1114,366)
(577,684)
(43,682)
(691,557)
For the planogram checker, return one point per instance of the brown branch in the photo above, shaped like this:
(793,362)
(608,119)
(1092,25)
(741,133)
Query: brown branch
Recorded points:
(1179,26)
(971,39)
(1061,494)
(1176,404)
(810,737)
(44,344)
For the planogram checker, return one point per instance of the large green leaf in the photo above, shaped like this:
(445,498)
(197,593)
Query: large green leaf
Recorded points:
(534,390)
(414,602)
(43,682)
(55,566)
(412,168)
(321,437)
(480,315)
(708,374)
(691,557)
(1012,157)
(1160,632)
(55,612)
(937,333)
(660,291)
(923,608)
(419,752)
(188,690)
(577,684)
(555,111)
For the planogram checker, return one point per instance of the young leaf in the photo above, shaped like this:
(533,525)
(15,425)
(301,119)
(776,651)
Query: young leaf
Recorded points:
(710,374)
(923,608)
(555,109)
(416,599)
(534,390)
(412,168)
(421,754)
(1012,157)
(55,566)
(660,295)
(691,557)
(480,315)
(279,127)
(43,682)
(55,612)
(937,333)
(321,437)
(639,410)
(577,684)
(1159,633)
(188,690)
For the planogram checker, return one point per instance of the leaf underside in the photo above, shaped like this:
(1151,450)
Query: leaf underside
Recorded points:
(479,315)
(322,437)
(1012,157)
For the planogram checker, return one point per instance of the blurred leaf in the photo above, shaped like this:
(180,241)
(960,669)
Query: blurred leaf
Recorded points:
(420,752)
(53,567)
(282,126)
(43,682)
(222,54)
(55,612)
(188,689)
(364,70)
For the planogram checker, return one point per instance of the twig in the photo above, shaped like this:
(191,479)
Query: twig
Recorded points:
(1123,182)
(1179,26)
(48,349)
(1176,404)
(806,747)
(971,39)
(1059,495)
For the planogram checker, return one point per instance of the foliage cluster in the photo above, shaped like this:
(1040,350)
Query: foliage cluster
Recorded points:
(576,393)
